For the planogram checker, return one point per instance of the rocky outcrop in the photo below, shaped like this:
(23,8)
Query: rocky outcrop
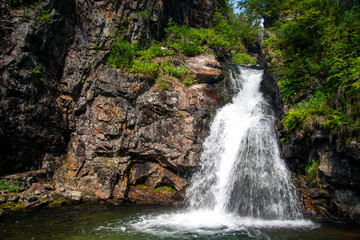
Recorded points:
(98,132)
(206,68)
(335,195)
(135,134)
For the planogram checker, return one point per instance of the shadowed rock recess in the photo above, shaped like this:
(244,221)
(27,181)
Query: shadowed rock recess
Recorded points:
(97,132)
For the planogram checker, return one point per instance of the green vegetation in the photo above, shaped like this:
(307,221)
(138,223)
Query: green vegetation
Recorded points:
(170,189)
(10,186)
(243,58)
(58,202)
(157,61)
(144,14)
(38,74)
(44,16)
(191,41)
(12,206)
(312,174)
(314,49)
(36,70)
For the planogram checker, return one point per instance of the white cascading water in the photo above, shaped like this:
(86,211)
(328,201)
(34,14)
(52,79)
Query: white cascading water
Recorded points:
(243,182)
(242,171)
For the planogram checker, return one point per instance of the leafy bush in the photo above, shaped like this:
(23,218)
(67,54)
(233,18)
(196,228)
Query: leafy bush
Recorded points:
(149,69)
(243,58)
(121,54)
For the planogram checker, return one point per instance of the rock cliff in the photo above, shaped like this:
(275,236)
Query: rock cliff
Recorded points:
(98,132)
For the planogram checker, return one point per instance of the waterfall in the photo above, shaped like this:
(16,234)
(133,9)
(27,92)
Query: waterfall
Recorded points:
(243,183)
(242,171)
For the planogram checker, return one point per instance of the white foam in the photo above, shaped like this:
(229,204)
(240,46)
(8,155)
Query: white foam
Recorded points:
(209,223)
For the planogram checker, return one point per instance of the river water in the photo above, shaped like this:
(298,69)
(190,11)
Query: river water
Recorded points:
(242,191)
(90,222)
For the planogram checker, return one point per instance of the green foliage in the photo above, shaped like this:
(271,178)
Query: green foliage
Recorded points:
(170,189)
(243,58)
(177,70)
(29,3)
(149,69)
(144,14)
(316,48)
(312,173)
(36,70)
(44,16)
(188,83)
(315,113)
(155,62)
(10,186)
(96,45)
(26,16)
(38,73)
(121,54)
(190,41)
(163,82)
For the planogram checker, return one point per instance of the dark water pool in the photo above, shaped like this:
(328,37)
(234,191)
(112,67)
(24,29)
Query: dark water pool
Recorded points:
(137,222)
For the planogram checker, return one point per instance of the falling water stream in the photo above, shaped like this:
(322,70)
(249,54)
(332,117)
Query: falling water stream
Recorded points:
(242,172)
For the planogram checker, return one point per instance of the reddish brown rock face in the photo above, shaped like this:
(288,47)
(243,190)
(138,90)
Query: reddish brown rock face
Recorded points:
(150,140)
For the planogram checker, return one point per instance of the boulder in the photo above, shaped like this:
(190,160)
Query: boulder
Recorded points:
(206,68)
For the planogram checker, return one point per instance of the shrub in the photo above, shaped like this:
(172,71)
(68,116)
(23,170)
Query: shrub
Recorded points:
(121,54)
(149,69)
(243,58)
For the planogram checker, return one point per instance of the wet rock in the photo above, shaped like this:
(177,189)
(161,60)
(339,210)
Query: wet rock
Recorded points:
(39,188)
(154,176)
(146,195)
(348,203)
(339,169)
(72,195)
